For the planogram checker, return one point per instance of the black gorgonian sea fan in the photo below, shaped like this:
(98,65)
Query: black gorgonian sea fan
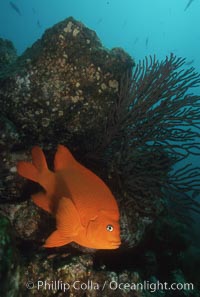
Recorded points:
(155,109)
(153,124)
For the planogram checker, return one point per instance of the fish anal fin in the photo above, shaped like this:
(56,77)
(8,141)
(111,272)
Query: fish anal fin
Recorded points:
(55,240)
(42,201)
(67,218)
(63,158)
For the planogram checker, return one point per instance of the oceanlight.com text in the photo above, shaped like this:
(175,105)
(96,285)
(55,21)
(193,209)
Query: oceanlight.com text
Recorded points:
(110,285)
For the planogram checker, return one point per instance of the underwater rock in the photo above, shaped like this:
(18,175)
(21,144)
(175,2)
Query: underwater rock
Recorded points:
(62,85)
(11,185)
(59,91)
(8,55)
(190,259)
(9,261)
(75,277)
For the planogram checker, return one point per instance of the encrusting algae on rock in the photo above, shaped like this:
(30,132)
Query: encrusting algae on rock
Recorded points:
(86,211)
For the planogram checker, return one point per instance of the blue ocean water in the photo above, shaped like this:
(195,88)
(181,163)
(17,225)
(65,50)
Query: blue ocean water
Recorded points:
(141,27)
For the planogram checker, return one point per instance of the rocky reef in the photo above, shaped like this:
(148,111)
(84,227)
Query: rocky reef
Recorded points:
(120,120)
(8,55)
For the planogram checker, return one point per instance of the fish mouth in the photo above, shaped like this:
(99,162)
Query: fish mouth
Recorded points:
(115,244)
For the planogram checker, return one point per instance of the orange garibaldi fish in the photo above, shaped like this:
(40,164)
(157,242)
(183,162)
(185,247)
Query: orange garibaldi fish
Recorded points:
(86,211)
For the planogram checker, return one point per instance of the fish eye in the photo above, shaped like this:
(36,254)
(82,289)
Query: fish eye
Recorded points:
(109,228)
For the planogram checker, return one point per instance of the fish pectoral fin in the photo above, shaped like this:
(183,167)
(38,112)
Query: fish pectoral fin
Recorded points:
(55,240)
(42,201)
(67,218)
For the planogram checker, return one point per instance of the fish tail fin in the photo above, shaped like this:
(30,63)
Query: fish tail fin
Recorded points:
(27,170)
(39,159)
(37,171)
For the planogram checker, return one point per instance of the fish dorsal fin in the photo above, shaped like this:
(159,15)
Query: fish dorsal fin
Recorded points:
(67,218)
(63,158)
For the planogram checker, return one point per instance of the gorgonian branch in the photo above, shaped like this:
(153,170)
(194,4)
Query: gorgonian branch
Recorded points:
(153,107)
(153,124)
